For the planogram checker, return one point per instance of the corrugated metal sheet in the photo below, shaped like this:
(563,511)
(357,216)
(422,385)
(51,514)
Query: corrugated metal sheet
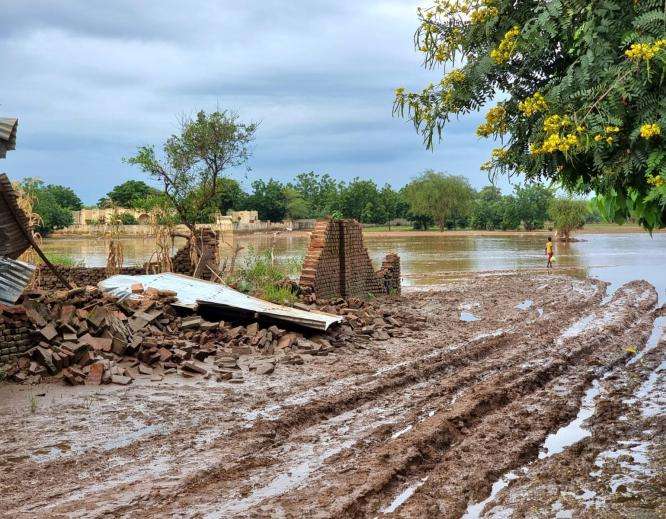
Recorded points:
(8,128)
(14,277)
(13,241)
(192,292)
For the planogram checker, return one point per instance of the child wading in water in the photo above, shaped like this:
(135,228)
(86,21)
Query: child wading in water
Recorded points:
(549,253)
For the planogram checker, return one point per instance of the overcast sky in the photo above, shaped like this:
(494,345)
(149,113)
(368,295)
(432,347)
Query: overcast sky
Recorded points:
(91,80)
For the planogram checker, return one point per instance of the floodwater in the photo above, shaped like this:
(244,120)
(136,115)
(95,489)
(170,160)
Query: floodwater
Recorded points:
(432,259)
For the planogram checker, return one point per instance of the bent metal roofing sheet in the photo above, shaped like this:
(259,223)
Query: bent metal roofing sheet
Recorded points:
(8,127)
(192,292)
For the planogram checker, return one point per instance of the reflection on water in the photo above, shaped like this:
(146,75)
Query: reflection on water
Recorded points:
(430,259)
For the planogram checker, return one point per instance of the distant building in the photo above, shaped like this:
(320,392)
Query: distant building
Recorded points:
(243,216)
(97,215)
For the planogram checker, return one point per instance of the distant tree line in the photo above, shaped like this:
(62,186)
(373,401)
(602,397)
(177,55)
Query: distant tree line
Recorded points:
(432,199)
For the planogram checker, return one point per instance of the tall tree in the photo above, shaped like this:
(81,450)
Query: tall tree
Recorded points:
(356,196)
(532,205)
(567,215)
(230,195)
(297,206)
(321,192)
(268,199)
(52,214)
(447,199)
(488,209)
(195,159)
(583,96)
(130,194)
(65,197)
(392,202)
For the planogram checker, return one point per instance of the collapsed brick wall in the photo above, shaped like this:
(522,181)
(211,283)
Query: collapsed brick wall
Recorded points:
(337,263)
(15,334)
(390,273)
(210,242)
(84,276)
(77,276)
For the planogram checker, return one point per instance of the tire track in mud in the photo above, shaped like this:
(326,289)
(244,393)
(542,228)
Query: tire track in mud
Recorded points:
(444,364)
(625,445)
(502,449)
(421,447)
(416,372)
(244,452)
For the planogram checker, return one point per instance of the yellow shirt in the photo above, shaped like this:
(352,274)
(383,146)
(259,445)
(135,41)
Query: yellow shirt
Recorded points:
(549,247)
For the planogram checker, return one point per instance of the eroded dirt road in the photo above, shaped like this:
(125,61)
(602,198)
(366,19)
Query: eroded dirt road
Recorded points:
(418,426)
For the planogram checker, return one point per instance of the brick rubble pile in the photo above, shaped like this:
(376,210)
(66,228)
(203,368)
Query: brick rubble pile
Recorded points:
(86,337)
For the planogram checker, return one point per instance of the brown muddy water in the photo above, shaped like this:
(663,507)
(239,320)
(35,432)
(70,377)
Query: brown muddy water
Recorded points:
(430,259)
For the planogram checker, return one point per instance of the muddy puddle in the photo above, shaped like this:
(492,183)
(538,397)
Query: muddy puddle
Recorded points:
(574,431)
(402,497)
(468,317)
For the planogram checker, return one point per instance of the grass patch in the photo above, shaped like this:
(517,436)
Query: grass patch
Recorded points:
(385,228)
(266,277)
(64,260)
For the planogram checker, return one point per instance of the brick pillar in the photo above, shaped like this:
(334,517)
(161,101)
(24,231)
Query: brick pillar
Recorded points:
(337,263)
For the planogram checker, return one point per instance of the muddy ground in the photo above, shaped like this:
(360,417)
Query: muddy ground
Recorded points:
(535,395)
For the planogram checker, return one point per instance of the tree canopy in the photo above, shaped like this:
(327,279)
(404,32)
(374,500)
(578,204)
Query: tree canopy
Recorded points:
(53,215)
(131,194)
(567,215)
(581,89)
(268,199)
(194,160)
(532,203)
(65,197)
(230,195)
(493,211)
(447,199)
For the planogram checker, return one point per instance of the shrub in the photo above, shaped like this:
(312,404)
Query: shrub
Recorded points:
(263,276)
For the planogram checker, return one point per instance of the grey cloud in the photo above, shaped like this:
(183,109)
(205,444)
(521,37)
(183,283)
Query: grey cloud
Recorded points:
(91,80)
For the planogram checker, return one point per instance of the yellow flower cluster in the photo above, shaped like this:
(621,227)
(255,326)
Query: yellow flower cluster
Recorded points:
(656,181)
(453,77)
(507,46)
(446,47)
(555,123)
(495,122)
(556,142)
(533,104)
(644,51)
(608,137)
(650,130)
(481,15)
(555,127)
(499,153)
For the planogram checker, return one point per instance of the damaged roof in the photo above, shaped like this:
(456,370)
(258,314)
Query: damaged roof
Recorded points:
(193,293)
(14,277)
(8,127)
(13,222)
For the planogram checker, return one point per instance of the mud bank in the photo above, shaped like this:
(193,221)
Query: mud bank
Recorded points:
(421,425)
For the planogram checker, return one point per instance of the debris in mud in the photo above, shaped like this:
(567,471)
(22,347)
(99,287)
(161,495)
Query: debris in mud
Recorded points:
(85,336)
(196,293)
